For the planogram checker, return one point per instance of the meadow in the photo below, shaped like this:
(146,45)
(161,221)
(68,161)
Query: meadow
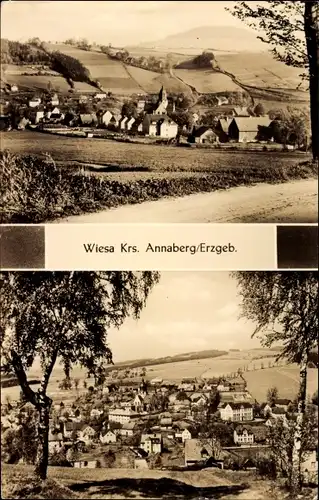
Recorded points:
(285,378)
(261,70)
(207,81)
(44,177)
(154,157)
(105,483)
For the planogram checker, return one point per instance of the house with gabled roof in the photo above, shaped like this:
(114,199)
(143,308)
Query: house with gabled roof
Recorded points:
(104,117)
(203,135)
(151,443)
(246,129)
(108,436)
(88,119)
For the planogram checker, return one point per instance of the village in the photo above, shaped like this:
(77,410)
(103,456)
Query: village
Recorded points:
(159,424)
(149,118)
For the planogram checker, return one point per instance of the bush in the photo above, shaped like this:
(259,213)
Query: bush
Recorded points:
(35,190)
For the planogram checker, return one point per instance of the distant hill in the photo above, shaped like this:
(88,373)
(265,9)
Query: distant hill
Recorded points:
(222,38)
(211,353)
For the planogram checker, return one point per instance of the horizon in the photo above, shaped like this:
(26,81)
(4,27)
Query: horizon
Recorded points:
(185,312)
(144,21)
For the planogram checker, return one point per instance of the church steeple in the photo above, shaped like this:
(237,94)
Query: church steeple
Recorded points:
(162,96)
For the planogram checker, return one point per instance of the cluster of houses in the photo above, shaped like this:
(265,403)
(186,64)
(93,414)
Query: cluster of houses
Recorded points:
(126,423)
(150,119)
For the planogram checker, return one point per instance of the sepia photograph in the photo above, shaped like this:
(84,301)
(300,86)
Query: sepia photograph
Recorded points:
(179,385)
(166,111)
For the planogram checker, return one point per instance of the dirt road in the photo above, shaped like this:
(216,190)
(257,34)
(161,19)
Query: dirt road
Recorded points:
(292,202)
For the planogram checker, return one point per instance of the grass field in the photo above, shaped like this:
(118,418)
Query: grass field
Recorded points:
(154,157)
(285,378)
(152,82)
(206,81)
(13,74)
(63,482)
(260,70)
(133,173)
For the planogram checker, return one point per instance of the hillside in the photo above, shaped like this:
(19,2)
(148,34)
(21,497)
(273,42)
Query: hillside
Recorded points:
(64,482)
(221,38)
(242,70)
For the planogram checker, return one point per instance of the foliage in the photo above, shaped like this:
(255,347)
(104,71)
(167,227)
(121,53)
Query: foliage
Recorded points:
(292,31)
(204,60)
(19,443)
(284,307)
(282,28)
(281,440)
(259,110)
(36,190)
(13,52)
(272,395)
(314,398)
(65,316)
(72,69)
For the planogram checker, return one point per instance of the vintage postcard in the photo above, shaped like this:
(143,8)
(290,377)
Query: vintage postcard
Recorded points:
(142,111)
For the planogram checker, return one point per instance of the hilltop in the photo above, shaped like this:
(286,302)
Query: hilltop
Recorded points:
(219,38)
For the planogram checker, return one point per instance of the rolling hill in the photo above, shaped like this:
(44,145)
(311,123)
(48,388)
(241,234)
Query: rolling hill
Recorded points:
(219,38)
(239,69)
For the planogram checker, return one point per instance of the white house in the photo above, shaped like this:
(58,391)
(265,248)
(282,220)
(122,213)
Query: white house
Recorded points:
(14,88)
(236,412)
(87,434)
(130,123)
(151,443)
(54,100)
(107,437)
(34,102)
(156,381)
(55,442)
(104,117)
(186,435)
(122,415)
(243,435)
(96,413)
(309,467)
(99,96)
(39,115)
(127,429)
(123,123)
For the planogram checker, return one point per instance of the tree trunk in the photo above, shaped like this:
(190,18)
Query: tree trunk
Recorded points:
(42,455)
(296,477)
(311,23)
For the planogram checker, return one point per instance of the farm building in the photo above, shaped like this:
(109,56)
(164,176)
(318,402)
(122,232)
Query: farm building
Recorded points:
(243,129)
(203,135)
(309,466)
(222,127)
(115,120)
(198,452)
(86,461)
(88,119)
(159,125)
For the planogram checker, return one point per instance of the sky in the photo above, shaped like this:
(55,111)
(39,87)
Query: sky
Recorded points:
(116,22)
(185,312)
